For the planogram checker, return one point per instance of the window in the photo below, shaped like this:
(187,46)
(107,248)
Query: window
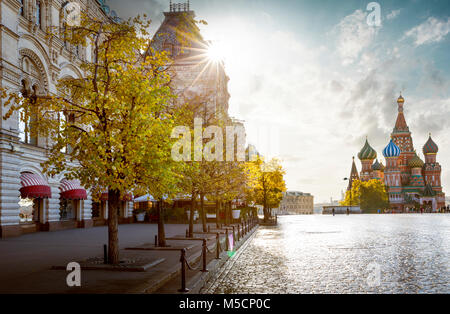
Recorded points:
(67,209)
(28,122)
(38,15)
(66,120)
(21,12)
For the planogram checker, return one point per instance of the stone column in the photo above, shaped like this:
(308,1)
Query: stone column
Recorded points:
(9,189)
(53,209)
(86,212)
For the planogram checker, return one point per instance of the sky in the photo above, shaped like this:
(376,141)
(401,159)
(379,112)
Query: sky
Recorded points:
(313,79)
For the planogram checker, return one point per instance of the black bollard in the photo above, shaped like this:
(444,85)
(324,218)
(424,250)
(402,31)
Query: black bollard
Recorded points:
(204,270)
(187,233)
(156,240)
(105,254)
(209,229)
(234,235)
(183,271)
(226,240)
(217,245)
(238,233)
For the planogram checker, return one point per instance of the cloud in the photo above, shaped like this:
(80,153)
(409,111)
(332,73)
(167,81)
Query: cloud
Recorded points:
(430,31)
(393,14)
(353,36)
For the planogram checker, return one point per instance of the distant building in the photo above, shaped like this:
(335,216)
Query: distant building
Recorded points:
(297,203)
(341,210)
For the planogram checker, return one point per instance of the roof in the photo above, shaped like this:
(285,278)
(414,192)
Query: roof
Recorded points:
(296,193)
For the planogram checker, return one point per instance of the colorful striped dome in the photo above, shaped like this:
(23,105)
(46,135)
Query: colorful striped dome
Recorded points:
(391,150)
(367,152)
(376,165)
(415,162)
(430,147)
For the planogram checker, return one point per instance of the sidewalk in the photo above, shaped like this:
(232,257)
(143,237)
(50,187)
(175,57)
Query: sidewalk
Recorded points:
(26,261)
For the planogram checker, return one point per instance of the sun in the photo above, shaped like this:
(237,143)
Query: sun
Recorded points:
(215,52)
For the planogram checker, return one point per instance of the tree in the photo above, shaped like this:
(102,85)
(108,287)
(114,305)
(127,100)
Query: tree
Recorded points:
(265,184)
(116,119)
(369,195)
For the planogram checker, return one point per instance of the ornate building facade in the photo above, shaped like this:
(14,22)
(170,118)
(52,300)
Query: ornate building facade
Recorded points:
(196,78)
(32,63)
(409,180)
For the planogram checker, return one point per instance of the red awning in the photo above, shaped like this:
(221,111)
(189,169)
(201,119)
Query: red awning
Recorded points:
(34,186)
(72,190)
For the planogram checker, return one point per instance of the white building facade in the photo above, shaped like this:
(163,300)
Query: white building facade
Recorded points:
(32,63)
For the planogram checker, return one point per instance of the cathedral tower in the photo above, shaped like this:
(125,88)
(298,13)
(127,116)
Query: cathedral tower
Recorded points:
(392,174)
(402,138)
(353,175)
(432,170)
(367,155)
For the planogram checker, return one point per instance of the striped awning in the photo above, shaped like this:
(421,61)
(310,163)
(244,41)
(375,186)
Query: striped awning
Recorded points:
(72,190)
(34,186)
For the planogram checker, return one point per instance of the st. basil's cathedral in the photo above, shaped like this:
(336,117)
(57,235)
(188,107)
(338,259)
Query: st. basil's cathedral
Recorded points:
(408,179)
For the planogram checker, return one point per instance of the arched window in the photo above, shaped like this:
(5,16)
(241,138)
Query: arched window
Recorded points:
(38,15)
(23,125)
(27,120)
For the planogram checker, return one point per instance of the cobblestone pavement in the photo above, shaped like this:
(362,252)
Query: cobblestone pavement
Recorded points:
(343,254)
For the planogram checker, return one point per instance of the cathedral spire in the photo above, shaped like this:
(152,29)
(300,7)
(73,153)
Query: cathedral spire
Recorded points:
(400,124)
(353,175)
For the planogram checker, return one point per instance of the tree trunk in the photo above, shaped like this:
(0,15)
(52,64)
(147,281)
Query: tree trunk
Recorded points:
(228,213)
(202,212)
(191,216)
(113,229)
(161,232)
(217,214)
(266,210)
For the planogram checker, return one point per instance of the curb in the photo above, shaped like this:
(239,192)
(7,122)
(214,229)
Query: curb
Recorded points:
(199,281)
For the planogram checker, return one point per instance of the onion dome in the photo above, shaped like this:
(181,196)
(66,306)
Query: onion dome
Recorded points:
(430,147)
(400,100)
(391,150)
(376,165)
(367,152)
(415,162)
